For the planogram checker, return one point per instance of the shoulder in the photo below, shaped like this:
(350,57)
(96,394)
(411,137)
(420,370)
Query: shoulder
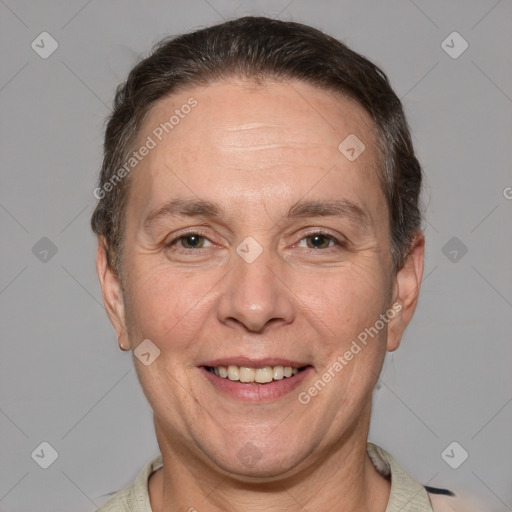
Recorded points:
(408,495)
(134,498)
(121,501)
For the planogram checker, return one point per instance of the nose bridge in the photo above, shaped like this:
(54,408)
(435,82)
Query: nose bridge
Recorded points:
(254,293)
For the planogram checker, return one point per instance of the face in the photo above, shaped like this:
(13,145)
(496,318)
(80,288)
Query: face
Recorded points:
(255,248)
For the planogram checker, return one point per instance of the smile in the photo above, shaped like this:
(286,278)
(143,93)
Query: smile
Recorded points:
(261,375)
(256,381)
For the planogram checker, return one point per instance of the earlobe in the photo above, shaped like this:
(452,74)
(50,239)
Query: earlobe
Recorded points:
(406,291)
(112,292)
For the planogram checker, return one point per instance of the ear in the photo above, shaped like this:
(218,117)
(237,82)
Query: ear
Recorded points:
(112,292)
(406,290)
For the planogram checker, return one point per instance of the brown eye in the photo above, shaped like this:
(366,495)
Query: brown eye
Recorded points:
(192,241)
(319,241)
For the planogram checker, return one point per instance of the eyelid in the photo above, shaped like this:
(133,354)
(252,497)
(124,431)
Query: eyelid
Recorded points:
(191,231)
(335,237)
(319,231)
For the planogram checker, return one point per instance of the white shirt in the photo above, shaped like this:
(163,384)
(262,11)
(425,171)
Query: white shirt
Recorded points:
(406,494)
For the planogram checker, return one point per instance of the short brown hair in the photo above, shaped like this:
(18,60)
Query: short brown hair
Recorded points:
(259,48)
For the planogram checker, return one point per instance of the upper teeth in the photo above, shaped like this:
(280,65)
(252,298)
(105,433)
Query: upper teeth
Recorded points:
(260,375)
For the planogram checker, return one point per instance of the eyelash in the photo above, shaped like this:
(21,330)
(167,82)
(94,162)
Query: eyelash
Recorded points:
(184,235)
(332,238)
(202,234)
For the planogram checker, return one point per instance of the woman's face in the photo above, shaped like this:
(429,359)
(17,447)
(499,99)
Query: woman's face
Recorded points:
(257,251)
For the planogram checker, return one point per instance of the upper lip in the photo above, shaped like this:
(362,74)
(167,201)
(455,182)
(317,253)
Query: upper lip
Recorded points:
(253,363)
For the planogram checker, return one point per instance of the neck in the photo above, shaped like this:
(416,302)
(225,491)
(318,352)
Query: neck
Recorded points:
(343,478)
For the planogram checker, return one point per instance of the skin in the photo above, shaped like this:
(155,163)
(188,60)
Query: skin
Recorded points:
(256,150)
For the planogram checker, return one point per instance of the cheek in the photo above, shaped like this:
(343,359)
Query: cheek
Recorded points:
(347,299)
(165,307)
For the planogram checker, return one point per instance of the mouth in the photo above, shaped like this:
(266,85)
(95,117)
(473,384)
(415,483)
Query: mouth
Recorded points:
(262,375)
(255,380)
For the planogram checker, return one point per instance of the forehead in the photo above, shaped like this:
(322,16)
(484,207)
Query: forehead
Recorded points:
(247,142)
(241,113)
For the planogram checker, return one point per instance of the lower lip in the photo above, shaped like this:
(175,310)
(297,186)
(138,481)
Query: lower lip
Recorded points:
(254,392)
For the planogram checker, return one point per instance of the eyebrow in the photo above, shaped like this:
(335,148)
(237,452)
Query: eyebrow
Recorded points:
(201,208)
(332,208)
(184,207)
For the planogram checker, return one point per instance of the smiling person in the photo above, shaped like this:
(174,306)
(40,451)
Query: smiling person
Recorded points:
(260,249)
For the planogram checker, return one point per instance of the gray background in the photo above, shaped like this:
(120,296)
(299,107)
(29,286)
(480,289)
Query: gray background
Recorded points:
(63,379)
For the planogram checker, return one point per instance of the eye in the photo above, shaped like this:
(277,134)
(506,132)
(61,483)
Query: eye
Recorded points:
(190,241)
(319,241)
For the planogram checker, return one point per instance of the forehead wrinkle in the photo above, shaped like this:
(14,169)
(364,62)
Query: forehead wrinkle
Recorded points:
(252,126)
(262,135)
(261,147)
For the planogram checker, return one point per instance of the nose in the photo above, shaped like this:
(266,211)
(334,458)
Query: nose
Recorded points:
(255,295)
